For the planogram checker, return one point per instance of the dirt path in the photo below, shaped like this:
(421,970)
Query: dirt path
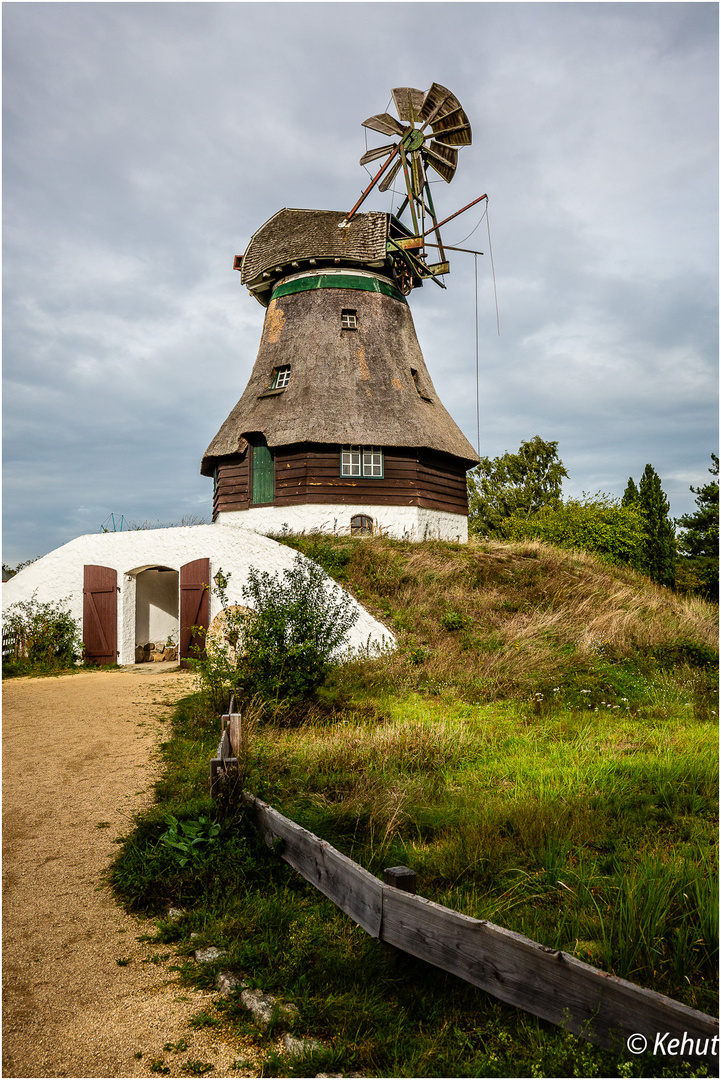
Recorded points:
(79,751)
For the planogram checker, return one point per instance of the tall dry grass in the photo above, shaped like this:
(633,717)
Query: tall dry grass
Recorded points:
(509,616)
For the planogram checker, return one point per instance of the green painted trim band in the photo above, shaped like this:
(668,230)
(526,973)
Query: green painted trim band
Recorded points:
(339,281)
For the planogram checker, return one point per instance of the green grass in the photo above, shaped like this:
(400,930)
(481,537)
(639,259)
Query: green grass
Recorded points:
(549,765)
(575,829)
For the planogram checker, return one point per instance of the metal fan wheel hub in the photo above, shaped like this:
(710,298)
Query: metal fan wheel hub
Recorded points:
(413,140)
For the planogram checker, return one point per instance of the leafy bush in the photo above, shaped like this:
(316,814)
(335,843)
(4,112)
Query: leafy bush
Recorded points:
(46,636)
(296,626)
(282,646)
(597,523)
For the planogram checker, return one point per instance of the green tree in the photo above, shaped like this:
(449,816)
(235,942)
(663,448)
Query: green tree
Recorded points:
(597,523)
(514,485)
(11,571)
(660,555)
(698,544)
(630,495)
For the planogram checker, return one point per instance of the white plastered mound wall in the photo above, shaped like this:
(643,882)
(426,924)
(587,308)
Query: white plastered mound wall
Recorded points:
(398,522)
(59,575)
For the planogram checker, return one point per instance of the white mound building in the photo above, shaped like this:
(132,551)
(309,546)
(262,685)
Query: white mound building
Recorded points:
(129,588)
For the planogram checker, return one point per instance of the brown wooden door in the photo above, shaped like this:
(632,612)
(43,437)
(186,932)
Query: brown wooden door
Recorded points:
(194,609)
(100,615)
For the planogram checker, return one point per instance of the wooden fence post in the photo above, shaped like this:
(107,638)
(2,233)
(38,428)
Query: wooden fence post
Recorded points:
(402,877)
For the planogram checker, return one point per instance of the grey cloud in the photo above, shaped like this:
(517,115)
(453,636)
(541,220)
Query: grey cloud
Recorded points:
(145,143)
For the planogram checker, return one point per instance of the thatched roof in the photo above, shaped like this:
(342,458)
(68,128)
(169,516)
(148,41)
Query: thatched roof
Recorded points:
(346,386)
(299,235)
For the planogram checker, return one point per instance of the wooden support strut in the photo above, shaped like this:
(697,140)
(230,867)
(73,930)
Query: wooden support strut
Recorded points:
(451,216)
(346,220)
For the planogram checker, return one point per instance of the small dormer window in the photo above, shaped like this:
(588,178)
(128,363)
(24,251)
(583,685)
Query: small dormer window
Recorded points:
(349,319)
(417,383)
(280,378)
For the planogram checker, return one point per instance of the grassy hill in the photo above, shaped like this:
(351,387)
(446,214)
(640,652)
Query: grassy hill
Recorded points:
(541,748)
(495,621)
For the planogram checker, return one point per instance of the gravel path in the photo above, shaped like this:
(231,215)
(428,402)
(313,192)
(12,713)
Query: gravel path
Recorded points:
(79,753)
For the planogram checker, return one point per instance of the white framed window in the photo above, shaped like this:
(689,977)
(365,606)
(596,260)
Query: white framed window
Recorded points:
(364,461)
(349,319)
(281,378)
(350,463)
(373,463)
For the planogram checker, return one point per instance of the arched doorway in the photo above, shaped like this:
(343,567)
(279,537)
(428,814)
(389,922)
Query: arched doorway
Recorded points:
(156,612)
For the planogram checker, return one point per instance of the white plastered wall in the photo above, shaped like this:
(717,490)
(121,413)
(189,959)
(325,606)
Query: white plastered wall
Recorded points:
(156,606)
(59,575)
(399,522)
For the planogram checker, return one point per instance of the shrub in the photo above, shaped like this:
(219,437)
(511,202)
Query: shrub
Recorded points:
(282,647)
(596,523)
(45,636)
(296,626)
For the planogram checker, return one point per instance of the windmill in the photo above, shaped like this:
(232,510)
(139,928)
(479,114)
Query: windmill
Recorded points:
(415,151)
(340,428)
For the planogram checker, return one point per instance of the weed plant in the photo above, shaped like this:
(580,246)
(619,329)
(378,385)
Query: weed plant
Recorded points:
(542,751)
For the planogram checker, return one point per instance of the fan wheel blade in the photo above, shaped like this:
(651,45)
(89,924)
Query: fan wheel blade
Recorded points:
(385,123)
(409,103)
(436,100)
(452,127)
(380,151)
(442,158)
(389,176)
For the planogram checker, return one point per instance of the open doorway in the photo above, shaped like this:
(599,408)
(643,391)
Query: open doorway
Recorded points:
(156,614)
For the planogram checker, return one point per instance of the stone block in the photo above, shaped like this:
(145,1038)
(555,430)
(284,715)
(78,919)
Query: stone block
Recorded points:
(263,1005)
(228,981)
(207,956)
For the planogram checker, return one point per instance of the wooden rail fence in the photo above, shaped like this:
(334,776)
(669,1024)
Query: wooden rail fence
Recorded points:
(601,1008)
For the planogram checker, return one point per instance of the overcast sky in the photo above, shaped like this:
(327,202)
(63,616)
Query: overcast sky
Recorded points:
(145,143)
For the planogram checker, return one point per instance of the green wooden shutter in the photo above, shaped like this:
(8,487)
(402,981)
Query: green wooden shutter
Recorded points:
(263,475)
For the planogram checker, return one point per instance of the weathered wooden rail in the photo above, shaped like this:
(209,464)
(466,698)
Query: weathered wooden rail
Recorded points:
(605,1010)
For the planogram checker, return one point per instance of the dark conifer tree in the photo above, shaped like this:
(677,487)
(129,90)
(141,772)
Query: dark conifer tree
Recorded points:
(698,544)
(630,495)
(660,536)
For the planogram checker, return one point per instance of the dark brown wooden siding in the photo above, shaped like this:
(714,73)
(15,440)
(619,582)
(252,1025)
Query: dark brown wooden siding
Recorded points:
(311,474)
(232,490)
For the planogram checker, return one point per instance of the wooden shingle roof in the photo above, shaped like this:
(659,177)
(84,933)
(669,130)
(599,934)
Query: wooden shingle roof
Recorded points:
(299,235)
